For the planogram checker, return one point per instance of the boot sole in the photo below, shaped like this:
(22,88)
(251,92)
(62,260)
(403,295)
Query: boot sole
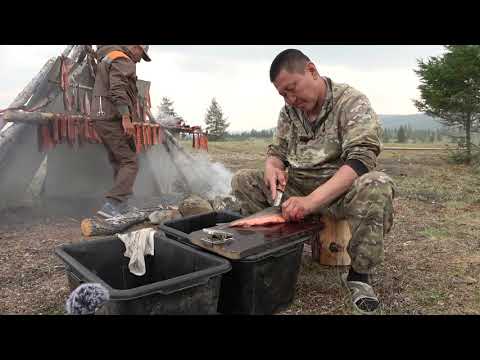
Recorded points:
(105,215)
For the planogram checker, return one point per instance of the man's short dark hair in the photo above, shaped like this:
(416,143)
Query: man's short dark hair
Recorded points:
(292,60)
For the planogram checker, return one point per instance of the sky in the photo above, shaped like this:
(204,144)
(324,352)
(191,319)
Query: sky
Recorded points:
(238,76)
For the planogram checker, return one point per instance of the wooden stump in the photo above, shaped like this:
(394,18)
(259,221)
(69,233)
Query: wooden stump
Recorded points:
(329,246)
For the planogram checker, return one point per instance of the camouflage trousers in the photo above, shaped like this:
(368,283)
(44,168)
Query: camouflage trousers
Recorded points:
(367,207)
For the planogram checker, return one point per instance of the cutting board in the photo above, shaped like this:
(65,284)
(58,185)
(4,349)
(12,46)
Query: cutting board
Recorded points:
(256,239)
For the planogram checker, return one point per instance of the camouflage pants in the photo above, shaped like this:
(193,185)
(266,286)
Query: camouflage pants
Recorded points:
(367,207)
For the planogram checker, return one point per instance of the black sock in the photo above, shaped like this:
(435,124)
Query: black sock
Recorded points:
(354,276)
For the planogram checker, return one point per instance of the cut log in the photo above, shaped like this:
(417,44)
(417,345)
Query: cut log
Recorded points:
(329,246)
(100,227)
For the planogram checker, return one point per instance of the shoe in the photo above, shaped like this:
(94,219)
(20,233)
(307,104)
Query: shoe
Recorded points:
(364,300)
(109,210)
(125,209)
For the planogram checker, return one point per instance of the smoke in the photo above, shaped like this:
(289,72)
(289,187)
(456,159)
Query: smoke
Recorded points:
(167,119)
(73,182)
(175,172)
(206,178)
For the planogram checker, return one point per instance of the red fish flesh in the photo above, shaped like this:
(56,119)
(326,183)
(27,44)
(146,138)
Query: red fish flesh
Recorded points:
(268,216)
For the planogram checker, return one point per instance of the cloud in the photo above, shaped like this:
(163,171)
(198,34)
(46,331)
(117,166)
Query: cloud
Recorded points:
(249,100)
(237,76)
(242,89)
(390,90)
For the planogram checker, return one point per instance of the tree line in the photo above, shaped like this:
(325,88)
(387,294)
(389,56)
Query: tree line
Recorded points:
(406,134)
(449,91)
(215,120)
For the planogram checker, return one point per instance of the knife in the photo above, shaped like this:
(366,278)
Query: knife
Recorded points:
(278,198)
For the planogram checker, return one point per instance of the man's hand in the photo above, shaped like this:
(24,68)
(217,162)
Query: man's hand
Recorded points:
(297,208)
(275,176)
(128,127)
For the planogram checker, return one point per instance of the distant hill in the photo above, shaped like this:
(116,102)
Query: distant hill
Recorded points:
(416,121)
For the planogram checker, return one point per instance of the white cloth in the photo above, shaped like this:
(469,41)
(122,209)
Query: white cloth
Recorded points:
(138,244)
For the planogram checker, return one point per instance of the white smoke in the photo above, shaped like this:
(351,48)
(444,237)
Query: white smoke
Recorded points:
(209,179)
(167,119)
(198,173)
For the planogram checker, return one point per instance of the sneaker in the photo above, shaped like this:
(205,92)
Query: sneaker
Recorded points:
(109,210)
(126,209)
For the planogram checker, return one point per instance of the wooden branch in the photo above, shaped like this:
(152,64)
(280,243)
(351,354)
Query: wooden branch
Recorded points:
(30,89)
(170,138)
(78,54)
(35,118)
(11,132)
(67,50)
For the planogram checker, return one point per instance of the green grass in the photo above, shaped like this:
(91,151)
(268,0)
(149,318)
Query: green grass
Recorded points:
(434,233)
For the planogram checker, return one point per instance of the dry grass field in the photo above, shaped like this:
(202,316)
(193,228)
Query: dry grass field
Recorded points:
(432,255)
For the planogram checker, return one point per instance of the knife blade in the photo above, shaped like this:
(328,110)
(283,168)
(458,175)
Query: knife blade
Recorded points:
(278,198)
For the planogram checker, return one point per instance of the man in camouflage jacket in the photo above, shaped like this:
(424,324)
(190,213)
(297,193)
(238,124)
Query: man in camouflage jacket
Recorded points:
(328,137)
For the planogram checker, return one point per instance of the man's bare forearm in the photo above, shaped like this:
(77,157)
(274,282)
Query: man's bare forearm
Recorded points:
(333,188)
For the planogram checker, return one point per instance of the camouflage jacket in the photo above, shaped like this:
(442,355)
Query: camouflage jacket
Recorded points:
(347,128)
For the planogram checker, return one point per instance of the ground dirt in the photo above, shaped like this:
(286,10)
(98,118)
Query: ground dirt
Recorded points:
(432,254)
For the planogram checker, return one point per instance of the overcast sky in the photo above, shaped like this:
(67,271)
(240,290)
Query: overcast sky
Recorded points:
(238,76)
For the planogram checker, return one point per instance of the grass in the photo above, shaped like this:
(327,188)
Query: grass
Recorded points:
(432,254)
(434,233)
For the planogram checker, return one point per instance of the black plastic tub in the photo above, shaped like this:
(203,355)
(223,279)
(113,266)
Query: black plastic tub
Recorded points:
(178,280)
(259,284)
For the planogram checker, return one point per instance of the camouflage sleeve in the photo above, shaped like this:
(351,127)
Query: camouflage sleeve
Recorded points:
(120,71)
(361,131)
(280,145)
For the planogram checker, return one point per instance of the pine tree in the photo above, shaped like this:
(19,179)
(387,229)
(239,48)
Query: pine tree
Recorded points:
(216,124)
(166,107)
(439,136)
(450,87)
(386,136)
(409,132)
(401,135)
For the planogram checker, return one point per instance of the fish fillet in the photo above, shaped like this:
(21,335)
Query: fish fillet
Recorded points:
(271,215)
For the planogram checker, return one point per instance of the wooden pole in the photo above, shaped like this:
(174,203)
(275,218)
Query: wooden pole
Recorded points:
(10,134)
(35,118)
(29,90)
(67,50)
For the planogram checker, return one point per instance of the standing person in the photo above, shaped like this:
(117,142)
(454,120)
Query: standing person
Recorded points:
(328,136)
(113,111)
